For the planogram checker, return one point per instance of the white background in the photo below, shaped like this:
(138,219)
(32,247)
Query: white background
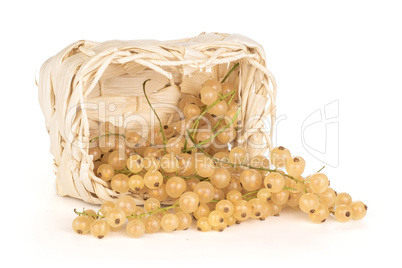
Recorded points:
(319,52)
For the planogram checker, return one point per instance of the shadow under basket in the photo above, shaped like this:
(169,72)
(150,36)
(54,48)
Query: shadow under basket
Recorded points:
(88,83)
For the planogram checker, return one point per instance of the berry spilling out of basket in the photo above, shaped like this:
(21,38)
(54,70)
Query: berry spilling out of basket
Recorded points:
(194,165)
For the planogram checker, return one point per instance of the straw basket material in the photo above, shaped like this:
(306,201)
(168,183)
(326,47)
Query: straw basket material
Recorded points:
(89,81)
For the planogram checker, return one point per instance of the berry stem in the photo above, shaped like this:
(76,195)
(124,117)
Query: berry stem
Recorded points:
(320,169)
(215,134)
(185,145)
(107,134)
(220,119)
(195,176)
(230,71)
(212,105)
(126,171)
(247,197)
(98,216)
(196,123)
(224,128)
(159,120)
(185,177)
(289,188)
(152,212)
(250,193)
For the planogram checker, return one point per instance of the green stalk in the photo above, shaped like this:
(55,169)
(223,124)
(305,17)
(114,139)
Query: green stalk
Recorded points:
(126,172)
(197,122)
(230,71)
(159,120)
(217,133)
(220,119)
(104,135)
(152,212)
(212,105)
(321,169)
(100,216)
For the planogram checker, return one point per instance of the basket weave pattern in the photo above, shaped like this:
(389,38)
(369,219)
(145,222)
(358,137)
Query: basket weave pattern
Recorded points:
(88,81)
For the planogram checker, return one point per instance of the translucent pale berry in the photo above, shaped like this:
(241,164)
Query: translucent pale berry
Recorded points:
(221,226)
(320,214)
(126,203)
(221,177)
(202,211)
(81,224)
(169,222)
(191,111)
(328,197)
(185,220)
(216,217)
(234,195)
(116,217)
(359,210)
(175,186)
(189,202)
(213,83)
(170,163)
(203,224)
(237,155)
(208,95)
(153,179)
(219,109)
(119,183)
(135,163)
(343,213)
(281,197)
(343,199)
(132,139)
(260,162)
(242,210)
(99,228)
(135,228)
(204,166)
(205,191)
(318,183)
(226,207)
(117,159)
(95,152)
(136,182)
(158,193)
(152,224)
(250,179)
(274,182)
(264,194)
(279,156)
(105,172)
(258,207)
(106,206)
(295,166)
(151,204)
(308,203)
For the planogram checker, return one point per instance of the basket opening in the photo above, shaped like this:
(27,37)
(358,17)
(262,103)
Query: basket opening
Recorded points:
(118,96)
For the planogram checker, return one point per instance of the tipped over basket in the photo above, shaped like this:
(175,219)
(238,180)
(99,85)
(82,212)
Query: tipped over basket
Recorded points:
(87,83)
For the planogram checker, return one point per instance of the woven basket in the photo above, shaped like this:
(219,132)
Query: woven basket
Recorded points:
(87,77)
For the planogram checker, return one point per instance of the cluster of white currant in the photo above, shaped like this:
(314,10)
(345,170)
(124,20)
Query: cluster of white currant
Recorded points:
(194,165)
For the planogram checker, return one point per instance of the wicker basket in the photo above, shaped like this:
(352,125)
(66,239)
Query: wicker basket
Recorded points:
(87,77)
